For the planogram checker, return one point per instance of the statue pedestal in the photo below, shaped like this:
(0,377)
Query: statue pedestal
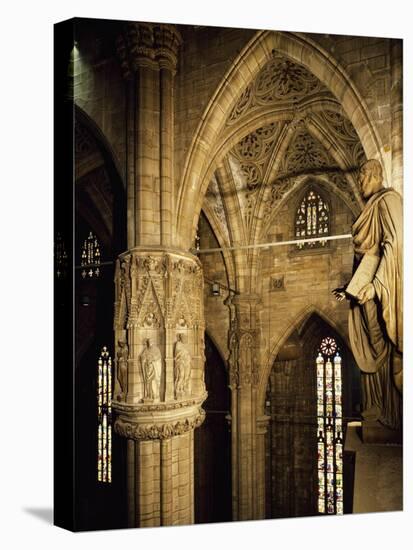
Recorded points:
(378,477)
(373,432)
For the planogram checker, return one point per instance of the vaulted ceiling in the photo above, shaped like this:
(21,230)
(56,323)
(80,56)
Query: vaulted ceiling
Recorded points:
(288,127)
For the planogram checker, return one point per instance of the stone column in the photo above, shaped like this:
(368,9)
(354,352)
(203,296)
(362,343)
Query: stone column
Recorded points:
(262,426)
(243,364)
(148,55)
(159,319)
(397,114)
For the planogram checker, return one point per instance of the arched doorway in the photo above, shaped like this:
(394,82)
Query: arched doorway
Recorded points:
(292,465)
(213,444)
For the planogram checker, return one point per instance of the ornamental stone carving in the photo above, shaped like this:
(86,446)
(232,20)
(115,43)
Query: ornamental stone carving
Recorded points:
(158,295)
(243,337)
(182,368)
(122,370)
(280,80)
(164,430)
(254,152)
(148,45)
(305,154)
(151,364)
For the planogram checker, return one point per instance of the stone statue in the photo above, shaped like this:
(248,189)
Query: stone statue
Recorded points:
(122,368)
(151,364)
(182,368)
(376,310)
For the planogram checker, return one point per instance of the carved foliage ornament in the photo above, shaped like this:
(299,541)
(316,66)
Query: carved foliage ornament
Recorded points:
(158,431)
(147,44)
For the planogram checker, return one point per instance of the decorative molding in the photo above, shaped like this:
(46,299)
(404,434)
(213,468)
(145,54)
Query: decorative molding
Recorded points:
(131,409)
(162,430)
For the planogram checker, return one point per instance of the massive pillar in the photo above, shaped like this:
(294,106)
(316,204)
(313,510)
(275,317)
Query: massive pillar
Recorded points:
(159,320)
(397,114)
(247,431)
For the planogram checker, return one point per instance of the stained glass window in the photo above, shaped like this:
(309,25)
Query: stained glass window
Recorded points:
(312,220)
(90,257)
(329,428)
(104,396)
(60,257)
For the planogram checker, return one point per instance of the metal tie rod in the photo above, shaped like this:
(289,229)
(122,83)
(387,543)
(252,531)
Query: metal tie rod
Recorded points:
(268,245)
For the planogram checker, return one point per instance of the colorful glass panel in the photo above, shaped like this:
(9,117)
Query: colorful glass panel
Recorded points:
(329,428)
(312,220)
(90,257)
(104,410)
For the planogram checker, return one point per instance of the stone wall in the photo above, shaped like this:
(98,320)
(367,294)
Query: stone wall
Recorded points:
(296,283)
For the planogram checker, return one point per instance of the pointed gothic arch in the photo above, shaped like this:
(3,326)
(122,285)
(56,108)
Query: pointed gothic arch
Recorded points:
(298,323)
(201,156)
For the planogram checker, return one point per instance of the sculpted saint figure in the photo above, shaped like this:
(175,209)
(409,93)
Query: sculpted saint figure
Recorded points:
(376,311)
(182,367)
(151,364)
(122,368)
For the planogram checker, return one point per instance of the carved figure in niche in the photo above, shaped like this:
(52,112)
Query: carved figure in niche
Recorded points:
(150,319)
(151,364)
(122,368)
(182,368)
(376,297)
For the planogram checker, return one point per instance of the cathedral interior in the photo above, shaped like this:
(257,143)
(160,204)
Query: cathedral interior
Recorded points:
(216,184)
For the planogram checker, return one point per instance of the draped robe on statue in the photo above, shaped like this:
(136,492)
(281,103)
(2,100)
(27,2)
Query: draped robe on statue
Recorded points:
(376,327)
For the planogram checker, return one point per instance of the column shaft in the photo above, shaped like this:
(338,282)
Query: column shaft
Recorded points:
(397,114)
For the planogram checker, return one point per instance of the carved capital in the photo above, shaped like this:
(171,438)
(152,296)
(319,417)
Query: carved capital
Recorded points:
(148,45)
(162,424)
(167,40)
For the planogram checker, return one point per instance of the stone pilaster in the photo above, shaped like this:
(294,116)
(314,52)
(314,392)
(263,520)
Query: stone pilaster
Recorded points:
(159,380)
(244,345)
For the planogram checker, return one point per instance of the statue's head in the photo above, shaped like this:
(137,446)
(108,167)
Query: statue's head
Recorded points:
(370,178)
(148,342)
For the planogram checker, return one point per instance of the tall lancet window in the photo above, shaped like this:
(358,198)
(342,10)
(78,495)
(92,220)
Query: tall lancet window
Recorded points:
(90,257)
(104,396)
(312,220)
(61,261)
(329,428)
